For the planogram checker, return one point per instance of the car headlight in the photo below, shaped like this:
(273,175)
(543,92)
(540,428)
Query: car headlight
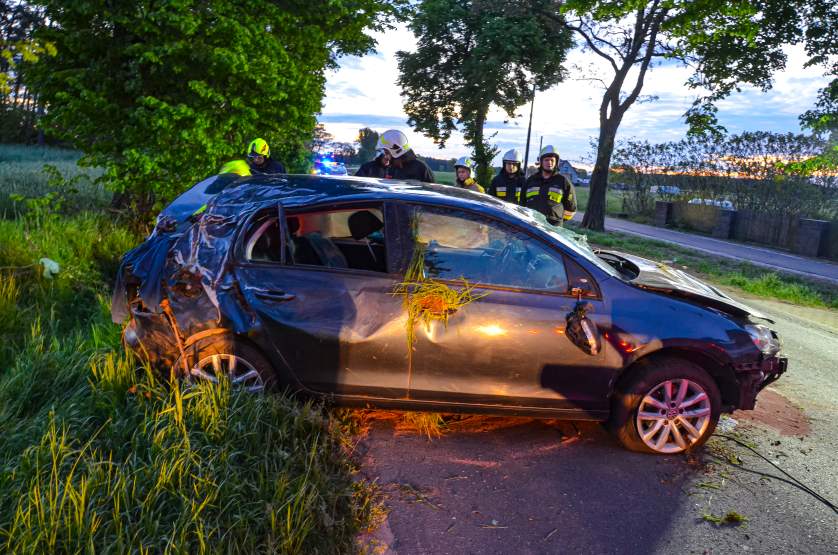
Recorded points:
(765,340)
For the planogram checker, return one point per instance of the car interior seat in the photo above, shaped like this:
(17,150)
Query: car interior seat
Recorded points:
(362,224)
(327,252)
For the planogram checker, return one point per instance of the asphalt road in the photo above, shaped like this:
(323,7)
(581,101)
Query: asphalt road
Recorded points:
(505,485)
(760,256)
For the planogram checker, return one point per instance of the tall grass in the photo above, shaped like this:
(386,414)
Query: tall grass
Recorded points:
(86,246)
(22,174)
(98,457)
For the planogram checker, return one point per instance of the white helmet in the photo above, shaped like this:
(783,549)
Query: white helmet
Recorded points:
(394,142)
(464,162)
(513,156)
(549,150)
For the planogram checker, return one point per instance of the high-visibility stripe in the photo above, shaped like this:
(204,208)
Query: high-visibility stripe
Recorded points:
(501,191)
(532,193)
(554,196)
(568,214)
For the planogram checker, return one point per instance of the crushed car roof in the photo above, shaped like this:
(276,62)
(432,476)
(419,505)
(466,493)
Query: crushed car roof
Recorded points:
(307,189)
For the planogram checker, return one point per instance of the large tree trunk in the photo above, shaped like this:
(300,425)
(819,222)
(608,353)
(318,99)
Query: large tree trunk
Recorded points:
(595,212)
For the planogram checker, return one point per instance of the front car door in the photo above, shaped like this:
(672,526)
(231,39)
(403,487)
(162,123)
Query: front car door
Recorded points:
(326,302)
(508,347)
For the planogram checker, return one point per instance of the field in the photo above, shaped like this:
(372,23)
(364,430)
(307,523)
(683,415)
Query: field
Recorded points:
(100,455)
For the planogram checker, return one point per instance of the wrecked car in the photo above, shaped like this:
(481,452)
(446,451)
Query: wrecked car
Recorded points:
(428,297)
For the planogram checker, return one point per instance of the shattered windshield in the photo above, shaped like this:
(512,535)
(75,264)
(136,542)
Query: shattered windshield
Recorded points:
(574,241)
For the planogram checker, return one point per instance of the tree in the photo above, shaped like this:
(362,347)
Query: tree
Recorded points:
(473,54)
(161,93)
(821,40)
(727,42)
(18,49)
(320,138)
(367,141)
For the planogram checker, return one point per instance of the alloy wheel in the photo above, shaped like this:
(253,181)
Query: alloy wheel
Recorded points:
(238,370)
(673,415)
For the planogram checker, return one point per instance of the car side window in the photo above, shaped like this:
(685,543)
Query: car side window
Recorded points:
(460,245)
(351,238)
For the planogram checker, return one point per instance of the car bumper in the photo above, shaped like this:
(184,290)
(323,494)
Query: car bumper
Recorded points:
(756,377)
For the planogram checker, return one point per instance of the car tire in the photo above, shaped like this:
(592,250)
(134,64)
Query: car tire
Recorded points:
(243,363)
(667,406)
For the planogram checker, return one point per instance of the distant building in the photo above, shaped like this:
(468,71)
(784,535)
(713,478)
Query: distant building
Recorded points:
(566,169)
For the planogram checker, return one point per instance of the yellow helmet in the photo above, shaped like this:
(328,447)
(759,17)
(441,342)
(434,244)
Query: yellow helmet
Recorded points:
(258,147)
(238,167)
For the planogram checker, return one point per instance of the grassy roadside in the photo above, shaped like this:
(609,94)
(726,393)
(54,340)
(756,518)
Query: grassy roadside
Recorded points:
(746,277)
(98,457)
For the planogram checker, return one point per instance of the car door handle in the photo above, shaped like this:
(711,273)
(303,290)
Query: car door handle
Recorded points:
(275,295)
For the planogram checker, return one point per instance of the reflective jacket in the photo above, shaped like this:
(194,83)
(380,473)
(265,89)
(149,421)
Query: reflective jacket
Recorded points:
(554,196)
(408,166)
(507,187)
(373,168)
(270,166)
(471,185)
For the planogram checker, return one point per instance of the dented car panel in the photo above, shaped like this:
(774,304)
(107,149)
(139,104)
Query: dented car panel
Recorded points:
(307,267)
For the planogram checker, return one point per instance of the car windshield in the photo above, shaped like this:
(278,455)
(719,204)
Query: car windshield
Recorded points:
(570,239)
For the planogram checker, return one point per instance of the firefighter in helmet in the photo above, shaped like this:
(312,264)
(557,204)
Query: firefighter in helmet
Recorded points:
(548,191)
(259,158)
(464,168)
(507,184)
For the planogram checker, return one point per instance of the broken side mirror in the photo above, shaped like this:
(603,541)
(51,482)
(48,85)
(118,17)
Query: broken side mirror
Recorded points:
(581,330)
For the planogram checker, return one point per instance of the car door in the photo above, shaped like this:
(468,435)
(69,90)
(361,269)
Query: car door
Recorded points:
(509,346)
(325,297)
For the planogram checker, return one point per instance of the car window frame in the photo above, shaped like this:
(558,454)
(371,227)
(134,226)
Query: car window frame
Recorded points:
(284,212)
(407,231)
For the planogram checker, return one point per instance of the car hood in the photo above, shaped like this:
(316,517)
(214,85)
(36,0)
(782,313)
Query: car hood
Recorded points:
(658,276)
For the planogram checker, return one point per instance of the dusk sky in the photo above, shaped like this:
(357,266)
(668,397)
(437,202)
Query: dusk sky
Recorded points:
(364,93)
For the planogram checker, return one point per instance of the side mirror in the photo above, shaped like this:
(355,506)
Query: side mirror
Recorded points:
(582,331)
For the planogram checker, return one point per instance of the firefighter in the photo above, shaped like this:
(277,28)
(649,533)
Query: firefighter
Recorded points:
(464,167)
(259,158)
(377,167)
(507,185)
(403,161)
(548,191)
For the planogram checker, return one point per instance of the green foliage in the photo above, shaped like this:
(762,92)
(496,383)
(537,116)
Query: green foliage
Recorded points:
(106,460)
(475,54)
(97,457)
(160,94)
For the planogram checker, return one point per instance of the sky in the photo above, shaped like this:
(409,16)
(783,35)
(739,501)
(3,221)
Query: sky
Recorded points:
(363,93)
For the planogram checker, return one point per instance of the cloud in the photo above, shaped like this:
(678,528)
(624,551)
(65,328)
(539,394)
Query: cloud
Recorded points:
(364,92)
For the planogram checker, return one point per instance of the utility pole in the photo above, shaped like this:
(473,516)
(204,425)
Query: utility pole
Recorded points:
(529,131)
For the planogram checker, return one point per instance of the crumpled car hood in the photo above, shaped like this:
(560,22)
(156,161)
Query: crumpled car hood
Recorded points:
(658,276)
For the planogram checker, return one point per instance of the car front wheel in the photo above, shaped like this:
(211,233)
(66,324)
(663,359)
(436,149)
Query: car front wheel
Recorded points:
(668,406)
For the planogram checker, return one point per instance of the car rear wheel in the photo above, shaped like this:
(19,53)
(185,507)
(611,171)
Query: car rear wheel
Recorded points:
(668,406)
(240,362)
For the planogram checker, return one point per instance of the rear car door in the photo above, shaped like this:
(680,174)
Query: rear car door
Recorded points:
(320,281)
(509,346)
